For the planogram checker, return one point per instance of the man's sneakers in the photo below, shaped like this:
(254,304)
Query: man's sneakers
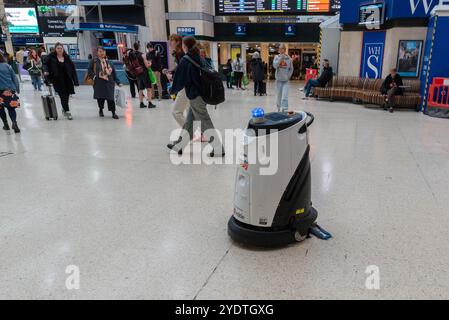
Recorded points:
(67,115)
(174,147)
(150,105)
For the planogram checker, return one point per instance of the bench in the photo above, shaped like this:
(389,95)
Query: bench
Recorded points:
(367,91)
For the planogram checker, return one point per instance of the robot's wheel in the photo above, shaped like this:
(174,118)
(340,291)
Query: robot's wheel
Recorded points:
(299,237)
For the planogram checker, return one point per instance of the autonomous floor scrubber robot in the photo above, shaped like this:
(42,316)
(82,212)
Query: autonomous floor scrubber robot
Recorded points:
(276,209)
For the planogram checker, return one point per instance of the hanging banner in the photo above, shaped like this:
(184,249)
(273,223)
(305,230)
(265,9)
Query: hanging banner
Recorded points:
(372,54)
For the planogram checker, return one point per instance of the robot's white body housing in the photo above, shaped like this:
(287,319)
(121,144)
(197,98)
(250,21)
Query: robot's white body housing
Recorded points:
(274,209)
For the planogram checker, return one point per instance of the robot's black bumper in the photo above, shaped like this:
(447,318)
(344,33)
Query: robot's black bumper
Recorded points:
(247,235)
(267,237)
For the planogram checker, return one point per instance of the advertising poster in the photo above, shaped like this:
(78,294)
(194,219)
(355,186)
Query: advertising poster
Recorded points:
(409,58)
(22,20)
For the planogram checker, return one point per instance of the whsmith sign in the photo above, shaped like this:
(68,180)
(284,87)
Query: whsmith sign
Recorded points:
(372,54)
(394,9)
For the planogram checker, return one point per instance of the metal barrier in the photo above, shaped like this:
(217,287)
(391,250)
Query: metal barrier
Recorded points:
(439,93)
(311,74)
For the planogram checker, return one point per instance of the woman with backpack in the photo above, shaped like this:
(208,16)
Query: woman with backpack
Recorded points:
(61,73)
(188,77)
(34,68)
(105,78)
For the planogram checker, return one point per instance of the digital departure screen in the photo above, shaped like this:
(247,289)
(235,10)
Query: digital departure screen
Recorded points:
(267,7)
(371,14)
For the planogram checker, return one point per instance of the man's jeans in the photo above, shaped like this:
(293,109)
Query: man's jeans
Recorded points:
(282,95)
(311,84)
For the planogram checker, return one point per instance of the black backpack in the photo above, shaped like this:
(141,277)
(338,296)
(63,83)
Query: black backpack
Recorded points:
(212,88)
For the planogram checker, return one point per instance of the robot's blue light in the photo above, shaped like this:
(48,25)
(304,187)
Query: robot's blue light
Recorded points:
(258,113)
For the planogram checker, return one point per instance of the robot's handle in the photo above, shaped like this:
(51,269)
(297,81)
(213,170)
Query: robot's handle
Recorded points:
(303,129)
(312,119)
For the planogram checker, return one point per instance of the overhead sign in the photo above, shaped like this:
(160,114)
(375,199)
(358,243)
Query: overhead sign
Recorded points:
(284,7)
(22,20)
(240,29)
(372,14)
(27,41)
(185,31)
(106,27)
(54,27)
(290,29)
(373,54)
(105,2)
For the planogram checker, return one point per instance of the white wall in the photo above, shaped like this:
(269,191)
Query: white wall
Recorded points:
(350,53)
(330,46)
(192,13)
(392,44)
(155,19)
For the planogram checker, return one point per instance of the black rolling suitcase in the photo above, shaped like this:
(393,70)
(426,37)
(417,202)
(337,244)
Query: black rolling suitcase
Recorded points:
(263,88)
(49,105)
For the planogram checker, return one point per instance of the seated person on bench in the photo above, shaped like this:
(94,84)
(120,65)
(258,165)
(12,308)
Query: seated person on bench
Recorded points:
(322,81)
(391,87)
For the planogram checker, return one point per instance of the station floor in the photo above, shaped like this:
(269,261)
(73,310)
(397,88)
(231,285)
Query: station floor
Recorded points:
(103,195)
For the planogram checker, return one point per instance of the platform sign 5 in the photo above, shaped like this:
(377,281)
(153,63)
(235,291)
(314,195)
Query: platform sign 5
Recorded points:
(372,54)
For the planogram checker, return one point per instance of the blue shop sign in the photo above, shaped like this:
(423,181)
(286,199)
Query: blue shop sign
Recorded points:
(373,54)
(186,31)
(394,9)
(107,27)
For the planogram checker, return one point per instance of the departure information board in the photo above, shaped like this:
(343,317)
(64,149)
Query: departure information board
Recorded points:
(286,7)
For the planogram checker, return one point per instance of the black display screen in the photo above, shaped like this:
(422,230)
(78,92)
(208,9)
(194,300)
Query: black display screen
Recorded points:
(371,14)
(268,7)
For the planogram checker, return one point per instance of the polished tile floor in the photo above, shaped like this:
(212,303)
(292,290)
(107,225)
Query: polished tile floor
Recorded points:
(103,195)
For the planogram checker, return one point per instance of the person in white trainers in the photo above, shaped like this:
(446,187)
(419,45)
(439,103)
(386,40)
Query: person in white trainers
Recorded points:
(284,71)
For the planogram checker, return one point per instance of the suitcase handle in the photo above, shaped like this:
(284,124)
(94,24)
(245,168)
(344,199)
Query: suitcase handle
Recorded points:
(50,89)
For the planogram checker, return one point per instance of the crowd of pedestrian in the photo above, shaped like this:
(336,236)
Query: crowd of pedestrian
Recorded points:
(144,71)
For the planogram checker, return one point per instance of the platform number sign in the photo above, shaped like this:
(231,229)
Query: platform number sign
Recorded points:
(186,31)
(373,54)
(240,29)
(290,30)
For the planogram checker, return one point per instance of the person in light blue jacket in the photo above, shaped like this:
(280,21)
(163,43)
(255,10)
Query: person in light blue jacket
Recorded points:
(9,87)
(284,71)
